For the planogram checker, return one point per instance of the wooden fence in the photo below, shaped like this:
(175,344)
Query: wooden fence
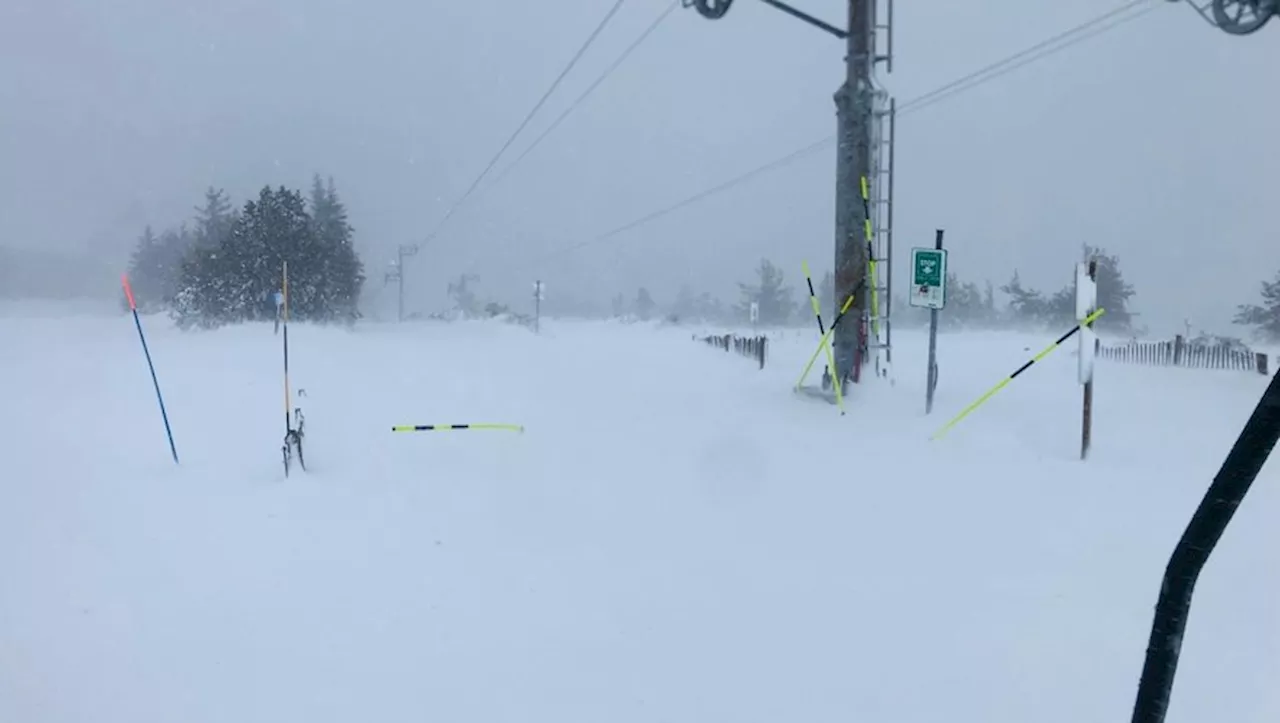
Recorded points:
(1181,353)
(752,347)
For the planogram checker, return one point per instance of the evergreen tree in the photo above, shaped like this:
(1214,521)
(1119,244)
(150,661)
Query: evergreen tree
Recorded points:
(1113,291)
(464,297)
(236,279)
(685,305)
(644,304)
(214,219)
(966,305)
(201,278)
(1264,317)
(1027,306)
(619,305)
(143,272)
(334,235)
(775,300)
(155,267)
(1060,309)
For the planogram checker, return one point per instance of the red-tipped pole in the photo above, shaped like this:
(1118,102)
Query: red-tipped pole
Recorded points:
(133,307)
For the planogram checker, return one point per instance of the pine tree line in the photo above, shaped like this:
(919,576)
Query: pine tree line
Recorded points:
(969,305)
(225,267)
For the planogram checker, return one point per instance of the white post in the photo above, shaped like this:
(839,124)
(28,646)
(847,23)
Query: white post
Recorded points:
(1086,303)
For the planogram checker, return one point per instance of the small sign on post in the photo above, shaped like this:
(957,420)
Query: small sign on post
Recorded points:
(928,278)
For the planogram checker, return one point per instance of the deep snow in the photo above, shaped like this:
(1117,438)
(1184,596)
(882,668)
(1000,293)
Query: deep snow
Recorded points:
(676,537)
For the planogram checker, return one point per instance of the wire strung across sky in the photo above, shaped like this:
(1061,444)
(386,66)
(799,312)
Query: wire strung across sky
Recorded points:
(537,106)
(590,89)
(1076,34)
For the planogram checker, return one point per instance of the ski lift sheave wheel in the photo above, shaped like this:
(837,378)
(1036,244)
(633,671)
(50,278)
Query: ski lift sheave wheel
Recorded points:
(709,9)
(1243,17)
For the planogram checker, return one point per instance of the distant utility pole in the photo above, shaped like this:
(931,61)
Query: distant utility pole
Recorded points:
(859,107)
(397,274)
(537,305)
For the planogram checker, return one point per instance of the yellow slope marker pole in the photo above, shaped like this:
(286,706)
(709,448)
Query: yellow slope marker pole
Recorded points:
(822,333)
(455,427)
(1005,382)
(824,341)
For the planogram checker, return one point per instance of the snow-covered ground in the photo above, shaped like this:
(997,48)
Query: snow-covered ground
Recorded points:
(675,537)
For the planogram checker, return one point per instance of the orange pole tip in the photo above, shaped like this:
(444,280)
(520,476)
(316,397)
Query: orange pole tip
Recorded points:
(128,291)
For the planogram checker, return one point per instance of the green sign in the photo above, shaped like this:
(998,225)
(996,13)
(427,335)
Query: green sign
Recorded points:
(928,278)
(927,268)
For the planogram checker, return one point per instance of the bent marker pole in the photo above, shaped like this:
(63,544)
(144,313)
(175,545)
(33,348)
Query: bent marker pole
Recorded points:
(822,343)
(133,307)
(822,334)
(455,427)
(1005,382)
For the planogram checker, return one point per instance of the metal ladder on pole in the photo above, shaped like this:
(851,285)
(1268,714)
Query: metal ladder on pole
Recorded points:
(880,191)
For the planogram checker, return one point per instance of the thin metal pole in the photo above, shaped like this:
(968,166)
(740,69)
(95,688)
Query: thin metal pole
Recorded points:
(931,381)
(1220,503)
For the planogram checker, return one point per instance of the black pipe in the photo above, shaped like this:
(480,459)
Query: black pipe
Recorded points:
(1210,520)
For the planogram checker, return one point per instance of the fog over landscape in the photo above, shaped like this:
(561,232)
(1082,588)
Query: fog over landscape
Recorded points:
(1146,141)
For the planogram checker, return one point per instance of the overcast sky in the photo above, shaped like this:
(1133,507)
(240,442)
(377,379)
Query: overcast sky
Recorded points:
(1156,140)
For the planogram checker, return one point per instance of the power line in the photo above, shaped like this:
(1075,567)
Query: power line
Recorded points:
(590,89)
(1063,40)
(537,106)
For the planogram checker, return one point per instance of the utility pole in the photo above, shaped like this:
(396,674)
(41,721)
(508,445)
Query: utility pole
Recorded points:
(397,274)
(854,107)
(537,305)
(857,117)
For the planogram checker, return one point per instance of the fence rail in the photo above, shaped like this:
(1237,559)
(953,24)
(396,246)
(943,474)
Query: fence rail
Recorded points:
(1181,353)
(752,347)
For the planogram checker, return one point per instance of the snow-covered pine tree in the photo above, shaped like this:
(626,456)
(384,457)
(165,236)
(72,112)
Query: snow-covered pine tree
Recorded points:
(201,280)
(1263,317)
(1026,306)
(142,272)
(343,272)
(213,219)
(1113,291)
(776,302)
(234,280)
(155,267)
(644,304)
